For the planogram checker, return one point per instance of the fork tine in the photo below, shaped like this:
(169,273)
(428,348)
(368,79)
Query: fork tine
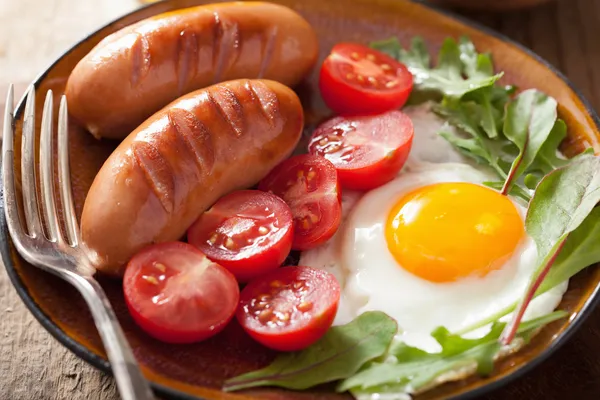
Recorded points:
(30,202)
(8,172)
(64,175)
(46,171)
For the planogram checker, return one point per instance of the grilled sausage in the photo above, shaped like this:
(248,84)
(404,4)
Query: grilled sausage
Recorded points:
(136,71)
(181,160)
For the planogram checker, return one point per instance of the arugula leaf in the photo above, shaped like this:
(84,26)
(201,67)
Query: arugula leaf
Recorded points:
(454,60)
(561,202)
(412,369)
(528,121)
(465,116)
(337,355)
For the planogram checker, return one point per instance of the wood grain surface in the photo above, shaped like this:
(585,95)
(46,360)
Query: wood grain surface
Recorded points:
(34,366)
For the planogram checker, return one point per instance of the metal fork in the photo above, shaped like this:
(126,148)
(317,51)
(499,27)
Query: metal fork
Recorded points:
(48,249)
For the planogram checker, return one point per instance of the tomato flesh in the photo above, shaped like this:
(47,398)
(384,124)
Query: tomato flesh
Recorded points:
(249,232)
(290,308)
(357,80)
(367,151)
(177,295)
(309,185)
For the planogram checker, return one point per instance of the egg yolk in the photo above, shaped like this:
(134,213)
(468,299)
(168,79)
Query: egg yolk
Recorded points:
(448,231)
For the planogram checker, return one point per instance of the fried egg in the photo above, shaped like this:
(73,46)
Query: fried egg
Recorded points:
(433,247)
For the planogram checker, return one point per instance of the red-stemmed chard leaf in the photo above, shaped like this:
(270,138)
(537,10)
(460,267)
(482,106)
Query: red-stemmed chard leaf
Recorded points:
(561,202)
(528,121)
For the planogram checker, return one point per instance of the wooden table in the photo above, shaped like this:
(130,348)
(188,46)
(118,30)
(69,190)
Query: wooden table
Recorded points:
(34,366)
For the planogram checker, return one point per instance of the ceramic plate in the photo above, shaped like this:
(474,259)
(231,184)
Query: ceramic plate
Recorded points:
(197,371)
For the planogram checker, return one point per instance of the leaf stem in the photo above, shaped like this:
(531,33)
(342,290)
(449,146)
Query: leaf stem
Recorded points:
(511,328)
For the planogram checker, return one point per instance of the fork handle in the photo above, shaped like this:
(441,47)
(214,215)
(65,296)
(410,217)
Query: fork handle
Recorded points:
(131,383)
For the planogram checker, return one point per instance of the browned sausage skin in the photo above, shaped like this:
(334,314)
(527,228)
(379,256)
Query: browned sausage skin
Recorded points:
(181,160)
(136,71)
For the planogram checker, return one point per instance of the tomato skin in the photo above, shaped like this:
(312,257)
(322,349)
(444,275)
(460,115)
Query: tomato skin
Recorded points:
(294,325)
(310,186)
(212,293)
(350,97)
(367,151)
(264,252)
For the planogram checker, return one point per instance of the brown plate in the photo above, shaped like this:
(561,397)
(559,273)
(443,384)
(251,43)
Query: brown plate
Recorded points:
(197,371)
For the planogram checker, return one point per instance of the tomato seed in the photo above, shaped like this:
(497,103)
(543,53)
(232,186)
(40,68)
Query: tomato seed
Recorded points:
(314,219)
(298,284)
(323,141)
(311,175)
(355,56)
(370,57)
(391,84)
(372,81)
(265,315)
(305,306)
(213,238)
(284,317)
(230,244)
(305,223)
(160,267)
(360,78)
(150,279)
(263,230)
(350,76)
(385,67)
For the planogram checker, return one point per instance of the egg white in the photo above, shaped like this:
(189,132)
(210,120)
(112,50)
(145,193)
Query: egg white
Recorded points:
(370,277)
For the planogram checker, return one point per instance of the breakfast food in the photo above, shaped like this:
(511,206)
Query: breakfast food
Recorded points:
(367,151)
(163,285)
(249,232)
(289,308)
(357,80)
(311,187)
(433,247)
(136,71)
(407,248)
(179,162)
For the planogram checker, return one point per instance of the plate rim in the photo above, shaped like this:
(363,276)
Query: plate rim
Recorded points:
(103,365)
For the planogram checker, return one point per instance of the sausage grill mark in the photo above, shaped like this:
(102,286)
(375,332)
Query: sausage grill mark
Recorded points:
(187,58)
(267,100)
(268,49)
(196,137)
(140,59)
(157,172)
(226,46)
(229,107)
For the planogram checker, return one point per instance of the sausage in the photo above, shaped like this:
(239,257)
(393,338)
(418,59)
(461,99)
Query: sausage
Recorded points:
(136,71)
(181,160)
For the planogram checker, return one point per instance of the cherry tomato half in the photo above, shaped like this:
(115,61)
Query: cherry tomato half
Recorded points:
(367,151)
(290,308)
(249,232)
(177,295)
(309,185)
(358,80)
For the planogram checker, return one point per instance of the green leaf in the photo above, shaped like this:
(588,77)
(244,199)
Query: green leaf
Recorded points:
(477,145)
(413,368)
(337,355)
(561,202)
(528,121)
(391,47)
(581,250)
